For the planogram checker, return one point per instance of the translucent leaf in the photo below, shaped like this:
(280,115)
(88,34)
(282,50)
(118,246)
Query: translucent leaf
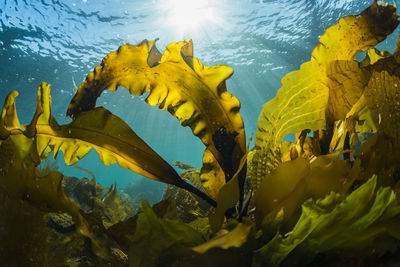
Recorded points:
(324,89)
(112,138)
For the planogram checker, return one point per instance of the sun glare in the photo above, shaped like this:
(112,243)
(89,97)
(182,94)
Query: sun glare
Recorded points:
(189,15)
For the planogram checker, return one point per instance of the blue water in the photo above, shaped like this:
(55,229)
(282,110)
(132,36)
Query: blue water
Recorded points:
(62,41)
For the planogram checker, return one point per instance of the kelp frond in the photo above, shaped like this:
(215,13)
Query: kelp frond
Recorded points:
(324,90)
(179,82)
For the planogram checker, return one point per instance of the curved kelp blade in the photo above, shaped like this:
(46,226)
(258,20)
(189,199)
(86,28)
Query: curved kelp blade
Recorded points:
(179,82)
(111,137)
(325,88)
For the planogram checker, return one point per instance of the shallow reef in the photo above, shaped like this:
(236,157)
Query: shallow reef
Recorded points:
(328,198)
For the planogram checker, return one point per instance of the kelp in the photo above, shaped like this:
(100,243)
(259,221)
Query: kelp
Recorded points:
(228,196)
(20,153)
(383,99)
(315,196)
(234,238)
(293,182)
(373,56)
(110,136)
(158,241)
(180,83)
(339,100)
(324,89)
(211,175)
(22,228)
(335,223)
(20,183)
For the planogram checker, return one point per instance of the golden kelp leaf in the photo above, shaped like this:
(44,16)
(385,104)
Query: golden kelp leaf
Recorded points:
(9,119)
(329,173)
(179,82)
(10,128)
(325,88)
(211,175)
(344,135)
(346,82)
(337,49)
(336,54)
(352,225)
(353,34)
(234,238)
(112,138)
(228,196)
(289,185)
(373,56)
(299,104)
(333,56)
(380,153)
(382,96)
(280,186)
(360,111)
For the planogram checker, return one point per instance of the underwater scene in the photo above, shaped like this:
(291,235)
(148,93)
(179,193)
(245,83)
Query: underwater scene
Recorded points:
(199,133)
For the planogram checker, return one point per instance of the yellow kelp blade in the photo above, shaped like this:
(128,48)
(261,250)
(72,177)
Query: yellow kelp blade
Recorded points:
(10,128)
(211,175)
(294,181)
(324,89)
(234,238)
(373,56)
(300,104)
(228,196)
(9,118)
(353,34)
(336,52)
(8,107)
(382,96)
(111,137)
(179,82)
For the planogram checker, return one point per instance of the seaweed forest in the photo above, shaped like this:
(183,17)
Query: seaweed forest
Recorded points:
(329,197)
